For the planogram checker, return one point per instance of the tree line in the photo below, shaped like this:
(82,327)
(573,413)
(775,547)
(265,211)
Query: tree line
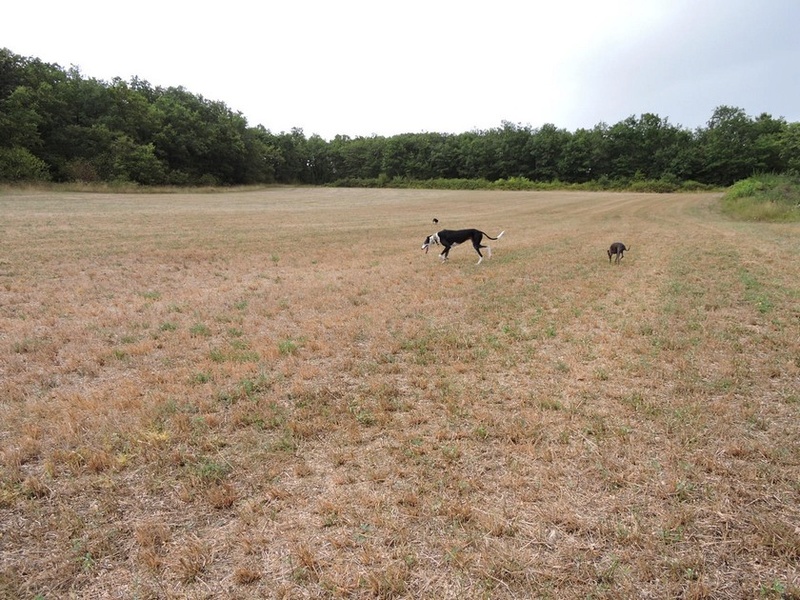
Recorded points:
(58,125)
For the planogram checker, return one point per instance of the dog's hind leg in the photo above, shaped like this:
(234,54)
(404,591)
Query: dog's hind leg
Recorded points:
(478,250)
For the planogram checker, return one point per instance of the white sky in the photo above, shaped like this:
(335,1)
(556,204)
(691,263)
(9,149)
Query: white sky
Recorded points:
(364,67)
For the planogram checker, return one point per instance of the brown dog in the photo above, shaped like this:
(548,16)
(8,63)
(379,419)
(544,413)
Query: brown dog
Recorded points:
(618,249)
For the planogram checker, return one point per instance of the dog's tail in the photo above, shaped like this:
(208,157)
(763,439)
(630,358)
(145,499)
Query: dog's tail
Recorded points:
(499,235)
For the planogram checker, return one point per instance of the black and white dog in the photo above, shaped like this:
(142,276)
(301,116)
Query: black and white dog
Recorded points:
(617,249)
(449,238)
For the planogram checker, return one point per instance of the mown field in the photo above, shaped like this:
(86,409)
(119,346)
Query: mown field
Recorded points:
(277,394)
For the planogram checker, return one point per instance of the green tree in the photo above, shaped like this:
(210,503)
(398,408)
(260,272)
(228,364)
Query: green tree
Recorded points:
(649,147)
(135,162)
(443,155)
(584,156)
(512,147)
(767,148)
(19,120)
(408,155)
(292,146)
(319,169)
(548,145)
(475,156)
(789,148)
(180,140)
(728,146)
(356,158)
(128,110)
(262,157)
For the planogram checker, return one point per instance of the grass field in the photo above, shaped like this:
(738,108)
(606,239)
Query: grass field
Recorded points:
(277,394)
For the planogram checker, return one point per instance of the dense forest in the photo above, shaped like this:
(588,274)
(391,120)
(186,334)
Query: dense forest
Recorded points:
(58,125)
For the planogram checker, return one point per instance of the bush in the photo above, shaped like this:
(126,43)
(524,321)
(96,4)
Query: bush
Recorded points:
(773,198)
(81,170)
(658,186)
(514,183)
(665,185)
(694,186)
(747,188)
(18,164)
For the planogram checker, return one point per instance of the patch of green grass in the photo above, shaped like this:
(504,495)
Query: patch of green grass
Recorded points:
(211,471)
(252,387)
(239,345)
(199,330)
(421,348)
(550,404)
(201,378)
(755,292)
(238,353)
(780,590)
(289,346)
(26,345)
(285,443)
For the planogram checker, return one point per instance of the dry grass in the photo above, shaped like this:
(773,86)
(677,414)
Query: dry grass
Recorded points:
(278,395)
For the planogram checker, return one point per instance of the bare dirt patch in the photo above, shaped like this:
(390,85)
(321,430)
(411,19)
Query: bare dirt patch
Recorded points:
(277,394)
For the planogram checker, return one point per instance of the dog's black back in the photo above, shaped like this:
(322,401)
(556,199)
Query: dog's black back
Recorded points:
(453,237)
(450,237)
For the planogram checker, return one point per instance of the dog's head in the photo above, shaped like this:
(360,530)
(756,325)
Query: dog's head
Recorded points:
(431,240)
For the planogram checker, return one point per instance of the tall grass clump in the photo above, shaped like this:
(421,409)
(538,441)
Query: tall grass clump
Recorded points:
(767,197)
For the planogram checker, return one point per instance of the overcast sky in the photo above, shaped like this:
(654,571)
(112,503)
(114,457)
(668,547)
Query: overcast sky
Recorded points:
(360,68)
